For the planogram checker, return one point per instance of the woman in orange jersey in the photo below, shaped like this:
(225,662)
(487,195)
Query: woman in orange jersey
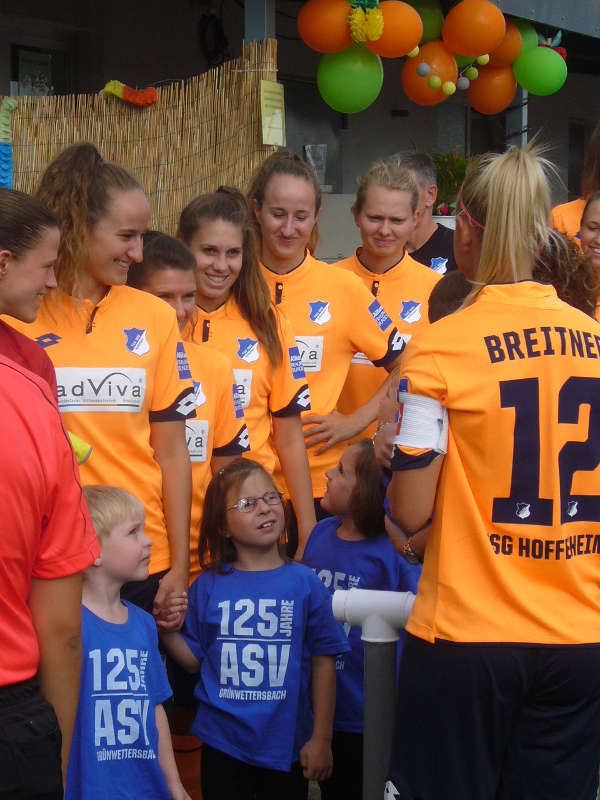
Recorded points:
(385,212)
(334,316)
(566,217)
(123,380)
(218,433)
(502,662)
(234,315)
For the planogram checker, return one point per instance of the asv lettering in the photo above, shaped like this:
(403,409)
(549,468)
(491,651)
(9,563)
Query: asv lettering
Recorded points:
(246,664)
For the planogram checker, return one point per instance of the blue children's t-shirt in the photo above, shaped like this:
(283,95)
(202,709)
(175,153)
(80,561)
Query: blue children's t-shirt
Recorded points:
(114,753)
(254,633)
(365,564)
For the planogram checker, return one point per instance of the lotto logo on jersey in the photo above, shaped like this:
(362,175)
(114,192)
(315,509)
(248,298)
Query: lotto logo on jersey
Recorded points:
(244,439)
(183,368)
(48,339)
(196,435)
(378,313)
(411,311)
(361,358)
(303,398)
(319,312)
(237,403)
(311,352)
(101,389)
(439,265)
(199,396)
(390,792)
(248,350)
(243,386)
(296,363)
(136,341)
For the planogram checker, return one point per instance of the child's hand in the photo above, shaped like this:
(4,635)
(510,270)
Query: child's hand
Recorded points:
(178,792)
(170,615)
(316,759)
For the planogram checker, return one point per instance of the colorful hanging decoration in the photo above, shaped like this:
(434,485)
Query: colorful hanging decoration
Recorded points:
(137,97)
(475,42)
(6,154)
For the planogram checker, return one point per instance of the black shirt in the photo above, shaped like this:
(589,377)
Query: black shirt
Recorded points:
(437,253)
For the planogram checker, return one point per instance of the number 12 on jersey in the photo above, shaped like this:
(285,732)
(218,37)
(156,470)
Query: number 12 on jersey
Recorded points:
(524,506)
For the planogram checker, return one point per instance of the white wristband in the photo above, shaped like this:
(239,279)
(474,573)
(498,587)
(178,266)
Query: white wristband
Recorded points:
(421,422)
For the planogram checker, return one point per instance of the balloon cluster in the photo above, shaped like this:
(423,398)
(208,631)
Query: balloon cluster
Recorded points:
(475,49)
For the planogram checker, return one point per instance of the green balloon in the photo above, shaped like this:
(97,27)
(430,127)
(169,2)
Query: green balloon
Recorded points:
(349,81)
(432,18)
(541,71)
(528,34)
(463,61)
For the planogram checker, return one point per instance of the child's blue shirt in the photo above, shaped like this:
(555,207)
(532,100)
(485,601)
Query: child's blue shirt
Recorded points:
(254,633)
(114,753)
(365,564)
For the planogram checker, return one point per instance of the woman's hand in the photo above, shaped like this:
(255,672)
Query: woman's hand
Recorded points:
(330,429)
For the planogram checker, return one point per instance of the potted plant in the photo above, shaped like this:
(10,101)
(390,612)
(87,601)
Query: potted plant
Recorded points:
(450,168)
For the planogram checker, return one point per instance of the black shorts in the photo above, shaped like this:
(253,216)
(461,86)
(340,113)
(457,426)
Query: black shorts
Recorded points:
(346,779)
(223,776)
(30,742)
(496,722)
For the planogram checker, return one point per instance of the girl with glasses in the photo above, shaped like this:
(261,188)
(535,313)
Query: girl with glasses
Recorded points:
(261,638)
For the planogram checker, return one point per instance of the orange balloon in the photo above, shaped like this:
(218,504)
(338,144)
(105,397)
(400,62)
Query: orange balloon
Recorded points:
(402,30)
(493,91)
(323,25)
(442,64)
(509,48)
(473,27)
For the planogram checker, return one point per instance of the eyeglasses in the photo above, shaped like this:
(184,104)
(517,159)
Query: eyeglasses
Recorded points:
(246,504)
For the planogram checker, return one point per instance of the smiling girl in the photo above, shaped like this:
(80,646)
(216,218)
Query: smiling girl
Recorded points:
(123,380)
(235,315)
(261,639)
(333,315)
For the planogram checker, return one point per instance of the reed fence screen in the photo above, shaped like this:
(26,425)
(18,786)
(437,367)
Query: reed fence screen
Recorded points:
(202,132)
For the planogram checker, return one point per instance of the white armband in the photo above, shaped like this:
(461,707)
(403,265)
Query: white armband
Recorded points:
(421,422)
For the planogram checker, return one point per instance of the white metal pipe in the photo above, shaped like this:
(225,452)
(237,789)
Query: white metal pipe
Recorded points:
(380,614)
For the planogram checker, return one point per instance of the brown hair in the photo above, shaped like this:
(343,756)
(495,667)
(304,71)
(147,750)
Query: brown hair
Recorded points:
(448,295)
(216,549)
(250,290)
(284,162)
(109,506)
(23,219)
(389,174)
(368,495)
(77,188)
(590,178)
(161,252)
(576,281)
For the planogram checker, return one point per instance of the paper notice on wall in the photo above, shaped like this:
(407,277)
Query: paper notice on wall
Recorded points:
(272,110)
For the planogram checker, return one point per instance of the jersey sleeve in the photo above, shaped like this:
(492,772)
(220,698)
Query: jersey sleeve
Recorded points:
(324,636)
(158,682)
(193,627)
(371,329)
(68,542)
(173,392)
(289,391)
(231,436)
(419,374)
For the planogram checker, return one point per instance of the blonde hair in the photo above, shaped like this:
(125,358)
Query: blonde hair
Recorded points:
(389,174)
(109,506)
(508,196)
